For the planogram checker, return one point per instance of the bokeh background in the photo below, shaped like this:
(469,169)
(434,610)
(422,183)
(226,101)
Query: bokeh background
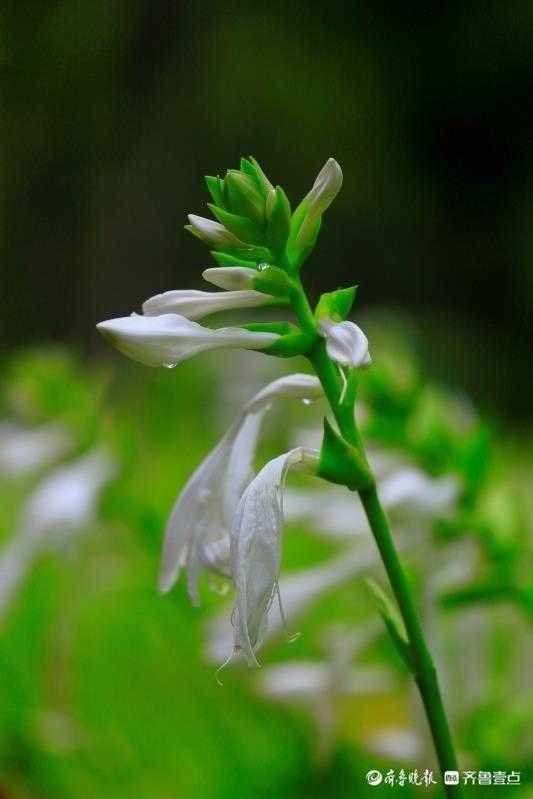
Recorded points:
(113,112)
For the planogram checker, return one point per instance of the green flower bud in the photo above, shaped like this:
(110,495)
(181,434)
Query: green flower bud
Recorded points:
(243,196)
(278,211)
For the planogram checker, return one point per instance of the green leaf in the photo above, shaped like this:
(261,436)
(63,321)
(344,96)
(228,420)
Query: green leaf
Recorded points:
(336,305)
(244,228)
(273,280)
(292,340)
(393,621)
(342,463)
(215,187)
(278,219)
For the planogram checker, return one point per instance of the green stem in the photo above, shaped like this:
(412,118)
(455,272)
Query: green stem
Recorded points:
(423,667)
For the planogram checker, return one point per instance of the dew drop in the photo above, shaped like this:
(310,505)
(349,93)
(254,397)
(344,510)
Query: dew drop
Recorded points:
(169,365)
(263,266)
(307,401)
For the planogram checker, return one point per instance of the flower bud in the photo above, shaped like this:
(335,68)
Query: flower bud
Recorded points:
(325,188)
(231,278)
(346,344)
(213,233)
(243,196)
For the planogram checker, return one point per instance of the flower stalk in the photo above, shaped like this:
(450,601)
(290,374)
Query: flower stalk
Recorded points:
(424,671)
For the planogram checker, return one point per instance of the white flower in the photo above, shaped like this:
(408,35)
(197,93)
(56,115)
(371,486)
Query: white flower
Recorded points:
(256,549)
(64,503)
(234,278)
(325,188)
(169,339)
(197,532)
(196,304)
(346,344)
(24,449)
(214,234)
(300,591)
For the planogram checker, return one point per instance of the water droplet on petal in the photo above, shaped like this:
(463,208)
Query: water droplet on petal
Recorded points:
(307,401)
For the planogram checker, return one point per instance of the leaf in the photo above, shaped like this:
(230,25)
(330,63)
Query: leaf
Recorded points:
(336,305)
(342,463)
(273,280)
(393,621)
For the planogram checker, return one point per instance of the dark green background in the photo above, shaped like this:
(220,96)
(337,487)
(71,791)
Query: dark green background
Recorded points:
(112,112)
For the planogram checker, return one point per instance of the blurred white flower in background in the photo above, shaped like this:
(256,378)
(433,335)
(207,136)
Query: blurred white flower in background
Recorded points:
(322,686)
(64,504)
(26,449)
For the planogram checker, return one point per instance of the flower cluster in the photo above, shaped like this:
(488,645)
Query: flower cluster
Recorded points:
(225,520)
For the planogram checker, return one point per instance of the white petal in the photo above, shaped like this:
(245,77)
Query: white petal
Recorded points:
(199,525)
(196,512)
(346,344)
(169,339)
(297,385)
(236,278)
(256,549)
(196,304)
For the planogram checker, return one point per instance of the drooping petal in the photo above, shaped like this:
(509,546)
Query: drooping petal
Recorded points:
(346,344)
(234,278)
(195,513)
(299,591)
(256,549)
(196,304)
(199,525)
(301,385)
(168,339)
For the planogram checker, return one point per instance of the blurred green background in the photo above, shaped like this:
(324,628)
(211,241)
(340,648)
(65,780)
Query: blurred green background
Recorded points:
(113,112)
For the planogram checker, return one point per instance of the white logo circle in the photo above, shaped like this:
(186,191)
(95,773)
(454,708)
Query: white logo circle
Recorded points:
(374,777)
